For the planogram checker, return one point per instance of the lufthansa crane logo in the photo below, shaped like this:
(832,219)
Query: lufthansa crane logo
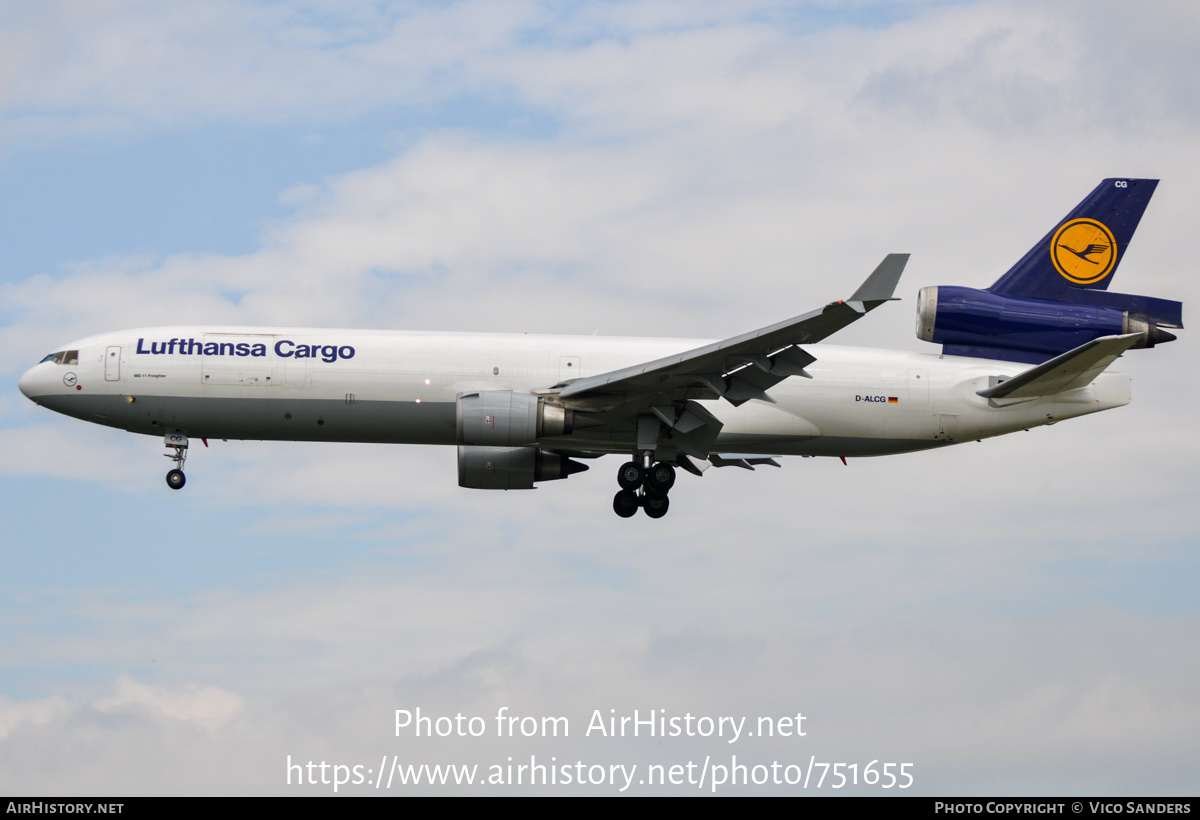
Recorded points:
(1084,251)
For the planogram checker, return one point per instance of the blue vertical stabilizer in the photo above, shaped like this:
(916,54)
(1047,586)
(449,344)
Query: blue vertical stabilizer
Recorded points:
(1085,248)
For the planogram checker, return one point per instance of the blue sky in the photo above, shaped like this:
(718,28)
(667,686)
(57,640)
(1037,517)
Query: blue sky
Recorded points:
(1016,616)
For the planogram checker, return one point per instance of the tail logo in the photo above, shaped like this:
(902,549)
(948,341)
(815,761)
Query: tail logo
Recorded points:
(1083,251)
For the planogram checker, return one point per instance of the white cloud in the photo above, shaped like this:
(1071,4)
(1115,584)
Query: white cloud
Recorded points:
(208,707)
(72,69)
(33,712)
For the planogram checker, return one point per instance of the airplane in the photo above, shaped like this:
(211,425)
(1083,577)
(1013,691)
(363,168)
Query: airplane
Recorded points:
(1032,349)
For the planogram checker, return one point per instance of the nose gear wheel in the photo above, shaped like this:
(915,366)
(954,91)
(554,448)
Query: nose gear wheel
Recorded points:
(175,477)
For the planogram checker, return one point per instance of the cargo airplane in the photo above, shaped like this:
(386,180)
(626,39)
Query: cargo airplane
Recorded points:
(1032,349)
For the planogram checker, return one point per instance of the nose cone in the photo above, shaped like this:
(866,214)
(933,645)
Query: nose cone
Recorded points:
(29,383)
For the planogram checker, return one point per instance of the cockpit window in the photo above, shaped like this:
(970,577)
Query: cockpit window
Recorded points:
(63,357)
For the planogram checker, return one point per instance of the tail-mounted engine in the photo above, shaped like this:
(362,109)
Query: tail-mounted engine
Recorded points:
(971,322)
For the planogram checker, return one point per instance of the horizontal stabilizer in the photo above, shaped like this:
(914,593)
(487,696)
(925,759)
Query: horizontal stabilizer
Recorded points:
(1073,369)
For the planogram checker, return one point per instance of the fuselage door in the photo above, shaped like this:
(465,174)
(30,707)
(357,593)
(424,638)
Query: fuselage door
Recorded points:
(112,364)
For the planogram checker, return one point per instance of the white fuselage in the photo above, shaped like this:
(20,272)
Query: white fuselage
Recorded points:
(391,386)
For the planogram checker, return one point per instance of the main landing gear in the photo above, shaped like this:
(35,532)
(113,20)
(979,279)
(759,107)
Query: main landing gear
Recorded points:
(177,443)
(644,486)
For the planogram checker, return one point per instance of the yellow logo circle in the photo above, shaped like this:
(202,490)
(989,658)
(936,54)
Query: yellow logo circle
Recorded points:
(1084,251)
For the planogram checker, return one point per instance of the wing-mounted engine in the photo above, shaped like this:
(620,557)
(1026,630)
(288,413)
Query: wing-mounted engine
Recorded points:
(497,431)
(503,418)
(511,468)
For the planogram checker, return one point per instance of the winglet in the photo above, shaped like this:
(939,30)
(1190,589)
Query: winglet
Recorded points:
(881,284)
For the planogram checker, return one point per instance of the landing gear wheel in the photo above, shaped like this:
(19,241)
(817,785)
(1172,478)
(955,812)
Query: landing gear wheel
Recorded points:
(630,476)
(656,507)
(176,442)
(661,478)
(625,504)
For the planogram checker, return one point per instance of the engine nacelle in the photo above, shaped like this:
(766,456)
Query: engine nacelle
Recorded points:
(503,418)
(973,322)
(511,468)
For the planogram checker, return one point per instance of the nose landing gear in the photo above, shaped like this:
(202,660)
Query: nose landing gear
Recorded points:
(644,486)
(177,443)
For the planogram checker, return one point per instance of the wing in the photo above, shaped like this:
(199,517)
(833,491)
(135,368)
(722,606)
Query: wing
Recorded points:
(737,369)
(658,398)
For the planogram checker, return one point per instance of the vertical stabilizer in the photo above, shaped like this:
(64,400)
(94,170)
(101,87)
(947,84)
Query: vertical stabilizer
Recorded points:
(1084,249)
